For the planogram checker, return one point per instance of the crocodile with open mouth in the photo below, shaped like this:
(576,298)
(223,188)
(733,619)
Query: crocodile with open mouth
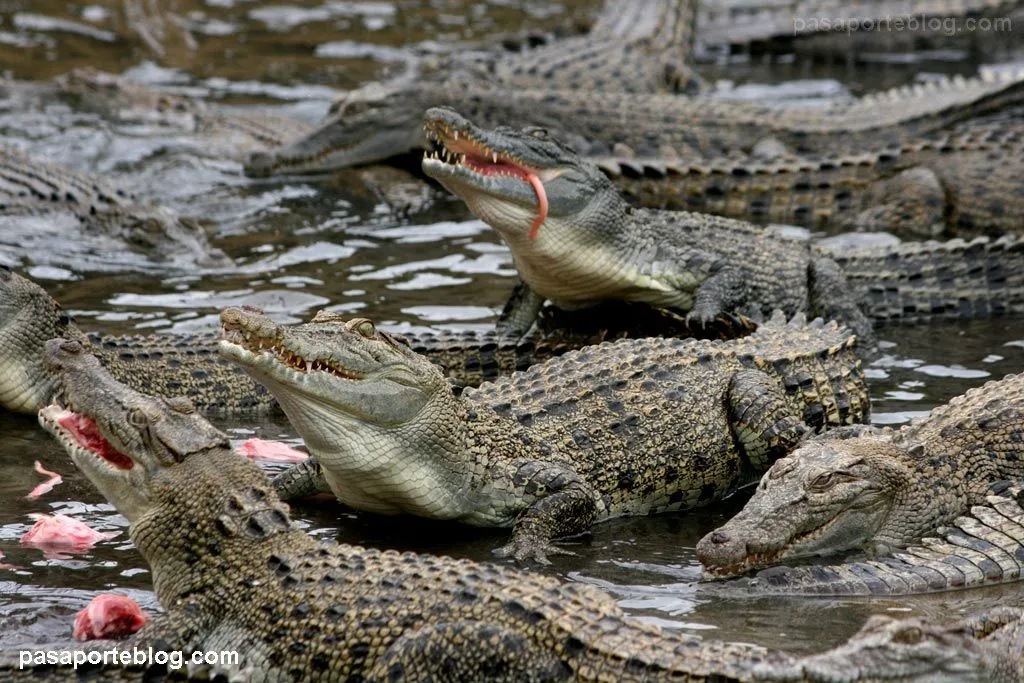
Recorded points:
(32,187)
(877,488)
(234,573)
(623,428)
(575,241)
(380,121)
(965,182)
(189,365)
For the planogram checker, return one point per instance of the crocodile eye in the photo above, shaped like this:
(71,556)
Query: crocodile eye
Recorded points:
(137,417)
(911,635)
(822,482)
(539,133)
(180,404)
(366,329)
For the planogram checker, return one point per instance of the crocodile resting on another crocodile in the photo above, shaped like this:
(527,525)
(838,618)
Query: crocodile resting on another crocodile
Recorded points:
(981,548)
(190,366)
(965,182)
(31,187)
(576,241)
(235,573)
(624,428)
(877,488)
(381,121)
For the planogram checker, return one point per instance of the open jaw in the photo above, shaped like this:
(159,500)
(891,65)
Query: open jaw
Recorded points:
(453,152)
(78,432)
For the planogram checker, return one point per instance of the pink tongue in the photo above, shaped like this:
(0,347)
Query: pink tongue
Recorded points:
(542,204)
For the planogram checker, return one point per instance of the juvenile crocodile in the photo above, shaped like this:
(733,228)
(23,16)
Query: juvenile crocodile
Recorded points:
(877,488)
(576,241)
(965,182)
(377,122)
(981,548)
(30,187)
(235,573)
(189,365)
(623,428)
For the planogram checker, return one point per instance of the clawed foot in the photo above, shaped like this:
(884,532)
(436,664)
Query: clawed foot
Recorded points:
(537,550)
(700,318)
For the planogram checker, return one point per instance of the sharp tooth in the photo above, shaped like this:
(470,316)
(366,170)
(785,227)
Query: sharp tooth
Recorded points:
(494,157)
(309,365)
(455,135)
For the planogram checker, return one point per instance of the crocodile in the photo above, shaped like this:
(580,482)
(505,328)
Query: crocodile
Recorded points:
(32,187)
(234,572)
(189,365)
(875,488)
(622,428)
(959,184)
(981,548)
(123,101)
(576,241)
(380,121)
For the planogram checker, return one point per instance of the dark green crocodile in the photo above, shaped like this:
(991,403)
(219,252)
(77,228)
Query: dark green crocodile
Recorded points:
(380,121)
(966,182)
(623,428)
(981,548)
(189,365)
(233,572)
(31,187)
(576,241)
(877,488)
(229,566)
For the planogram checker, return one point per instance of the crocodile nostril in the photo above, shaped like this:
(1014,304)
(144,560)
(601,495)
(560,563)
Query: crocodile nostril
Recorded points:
(719,537)
(71,347)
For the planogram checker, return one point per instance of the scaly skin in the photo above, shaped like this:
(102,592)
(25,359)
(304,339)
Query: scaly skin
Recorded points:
(230,567)
(877,488)
(623,428)
(982,548)
(234,573)
(381,121)
(189,365)
(223,134)
(32,187)
(593,246)
(964,183)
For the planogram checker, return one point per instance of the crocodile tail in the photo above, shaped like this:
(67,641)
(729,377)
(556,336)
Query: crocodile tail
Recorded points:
(918,282)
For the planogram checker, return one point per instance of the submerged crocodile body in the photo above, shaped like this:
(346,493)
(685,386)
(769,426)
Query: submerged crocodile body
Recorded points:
(190,366)
(966,183)
(234,573)
(31,187)
(877,488)
(380,121)
(624,428)
(981,548)
(576,241)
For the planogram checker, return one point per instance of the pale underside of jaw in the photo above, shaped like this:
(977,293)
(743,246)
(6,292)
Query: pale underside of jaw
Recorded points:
(472,156)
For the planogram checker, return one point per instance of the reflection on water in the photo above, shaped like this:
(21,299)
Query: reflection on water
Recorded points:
(344,243)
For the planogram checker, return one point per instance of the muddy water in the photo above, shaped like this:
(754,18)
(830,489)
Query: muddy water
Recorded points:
(347,244)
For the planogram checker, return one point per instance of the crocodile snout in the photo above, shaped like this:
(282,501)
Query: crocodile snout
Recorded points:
(260,164)
(721,549)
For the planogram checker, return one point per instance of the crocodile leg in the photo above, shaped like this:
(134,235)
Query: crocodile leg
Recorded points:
(912,202)
(722,292)
(563,505)
(303,480)
(831,298)
(762,419)
(520,312)
(467,651)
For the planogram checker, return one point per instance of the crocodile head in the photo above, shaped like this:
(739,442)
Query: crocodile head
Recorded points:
(368,125)
(28,317)
(906,650)
(120,439)
(516,181)
(828,496)
(119,99)
(159,230)
(379,417)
